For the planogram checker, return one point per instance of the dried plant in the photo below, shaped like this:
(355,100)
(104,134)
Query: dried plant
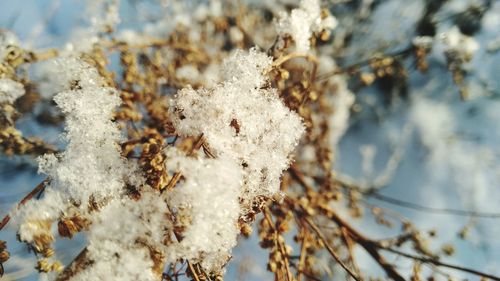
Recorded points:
(226,122)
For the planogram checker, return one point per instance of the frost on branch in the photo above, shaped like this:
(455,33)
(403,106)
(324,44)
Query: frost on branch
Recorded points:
(36,218)
(10,90)
(7,39)
(123,239)
(91,164)
(207,209)
(303,22)
(243,119)
(251,133)
(459,50)
(63,75)
(100,17)
(91,169)
(458,44)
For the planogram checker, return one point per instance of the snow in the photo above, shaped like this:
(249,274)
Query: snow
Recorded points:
(120,237)
(251,133)
(207,205)
(46,209)
(99,17)
(244,120)
(91,167)
(302,22)
(91,164)
(455,41)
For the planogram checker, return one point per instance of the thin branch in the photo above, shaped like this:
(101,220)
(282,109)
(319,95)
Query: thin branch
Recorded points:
(306,274)
(442,264)
(299,177)
(433,210)
(281,60)
(330,249)
(371,246)
(350,248)
(404,52)
(38,189)
(360,239)
(367,244)
(193,271)
(45,55)
(141,140)
(79,263)
(177,175)
(371,192)
(302,257)
(281,248)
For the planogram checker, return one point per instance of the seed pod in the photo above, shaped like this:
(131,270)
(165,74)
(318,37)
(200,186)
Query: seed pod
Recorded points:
(245,229)
(48,252)
(43,265)
(4,256)
(272,266)
(67,227)
(57,266)
(42,241)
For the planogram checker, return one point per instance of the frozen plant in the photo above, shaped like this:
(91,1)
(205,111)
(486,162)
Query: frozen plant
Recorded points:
(126,232)
(252,148)
(187,126)
(248,123)
(206,205)
(91,166)
(91,170)
(302,22)
(458,44)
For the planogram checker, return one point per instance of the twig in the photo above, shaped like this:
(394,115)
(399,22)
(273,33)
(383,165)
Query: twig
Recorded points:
(358,238)
(207,150)
(48,54)
(349,244)
(282,249)
(177,175)
(282,59)
(193,272)
(38,189)
(371,191)
(370,246)
(79,263)
(442,211)
(299,177)
(204,272)
(302,257)
(140,140)
(367,244)
(306,274)
(330,249)
(439,263)
(405,51)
